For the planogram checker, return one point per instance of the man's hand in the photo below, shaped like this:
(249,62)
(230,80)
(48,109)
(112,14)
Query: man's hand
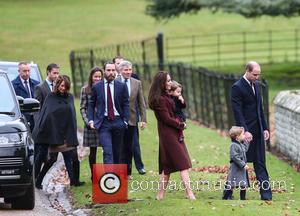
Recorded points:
(91,124)
(246,167)
(248,137)
(266,134)
(143,125)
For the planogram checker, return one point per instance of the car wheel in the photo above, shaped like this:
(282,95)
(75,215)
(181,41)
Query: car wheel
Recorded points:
(27,201)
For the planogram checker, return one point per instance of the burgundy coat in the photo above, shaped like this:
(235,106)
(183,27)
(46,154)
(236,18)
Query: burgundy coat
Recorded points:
(173,155)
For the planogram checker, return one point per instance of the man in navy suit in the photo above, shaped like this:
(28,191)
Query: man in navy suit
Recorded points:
(248,113)
(110,100)
(24,87)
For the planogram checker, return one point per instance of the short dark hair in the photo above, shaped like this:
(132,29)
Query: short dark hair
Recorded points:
(106,63)
(51,66)
(117,57)
(23,63)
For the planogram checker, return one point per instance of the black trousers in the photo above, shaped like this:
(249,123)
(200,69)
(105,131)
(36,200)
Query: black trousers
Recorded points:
(127,150)
(71,162)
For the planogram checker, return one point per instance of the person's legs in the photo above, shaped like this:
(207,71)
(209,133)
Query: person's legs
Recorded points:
(47,165)
(163,183)
(92,159)
(117,139)
(105,136)
(227,193)
(242,193)
(137,153)
(263,177)
(186,181)
(126,155)
(41,157)
(68,159)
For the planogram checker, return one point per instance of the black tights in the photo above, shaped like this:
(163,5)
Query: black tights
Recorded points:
(227,194)
(92,159)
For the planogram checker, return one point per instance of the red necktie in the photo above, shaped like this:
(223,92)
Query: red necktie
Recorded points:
(110,106)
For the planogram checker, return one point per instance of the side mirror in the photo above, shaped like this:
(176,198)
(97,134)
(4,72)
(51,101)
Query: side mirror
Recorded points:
(20,100)
(29,105)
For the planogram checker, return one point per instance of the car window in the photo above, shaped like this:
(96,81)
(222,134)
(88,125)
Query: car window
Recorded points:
(12,72)
(8,102)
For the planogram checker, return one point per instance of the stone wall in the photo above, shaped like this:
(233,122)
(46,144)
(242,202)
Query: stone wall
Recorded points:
(287,123)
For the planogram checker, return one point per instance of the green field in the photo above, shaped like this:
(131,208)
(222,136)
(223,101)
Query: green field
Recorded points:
(46,31)
(206,148)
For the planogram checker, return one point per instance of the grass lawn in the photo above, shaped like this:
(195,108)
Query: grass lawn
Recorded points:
(46,31)
(206,148)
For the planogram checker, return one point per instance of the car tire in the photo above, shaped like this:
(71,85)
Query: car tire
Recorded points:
(27,201)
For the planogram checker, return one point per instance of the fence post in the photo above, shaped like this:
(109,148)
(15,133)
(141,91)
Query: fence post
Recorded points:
(118,49)
(72,63)
(218,50)
(265,95)
(296,45)
(92,58)
(160,50)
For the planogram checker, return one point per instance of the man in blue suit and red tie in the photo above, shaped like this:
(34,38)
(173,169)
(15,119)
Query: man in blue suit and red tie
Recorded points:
(111,101)
(24,87)
(248,112)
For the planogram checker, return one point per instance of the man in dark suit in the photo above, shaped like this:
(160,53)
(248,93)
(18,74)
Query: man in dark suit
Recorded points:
(248,113)
(41,91)
(137,108)
(24,87)
(110,99)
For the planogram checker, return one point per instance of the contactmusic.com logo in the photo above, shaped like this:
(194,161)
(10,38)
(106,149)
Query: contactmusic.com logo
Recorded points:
(110,183)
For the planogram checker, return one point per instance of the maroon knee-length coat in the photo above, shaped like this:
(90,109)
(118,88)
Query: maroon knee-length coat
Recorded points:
(173,155)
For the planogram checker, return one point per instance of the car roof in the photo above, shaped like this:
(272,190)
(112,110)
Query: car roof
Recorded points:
(14,63)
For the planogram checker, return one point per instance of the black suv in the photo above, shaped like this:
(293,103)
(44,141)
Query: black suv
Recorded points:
(16,147)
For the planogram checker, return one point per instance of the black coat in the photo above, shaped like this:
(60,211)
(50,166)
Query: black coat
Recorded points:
(56,123)
(248,113)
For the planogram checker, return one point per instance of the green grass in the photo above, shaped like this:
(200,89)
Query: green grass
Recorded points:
(206,147)
(46,31)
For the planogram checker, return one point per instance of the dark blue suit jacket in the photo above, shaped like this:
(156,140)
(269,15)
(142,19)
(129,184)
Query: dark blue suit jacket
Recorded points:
(97,101)
(248,113)
(21,90)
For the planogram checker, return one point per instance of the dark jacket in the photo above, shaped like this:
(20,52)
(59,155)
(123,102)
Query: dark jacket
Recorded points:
(21,90)
(97,101)
(41,91)
(248,113)
(56,123)
(178,111)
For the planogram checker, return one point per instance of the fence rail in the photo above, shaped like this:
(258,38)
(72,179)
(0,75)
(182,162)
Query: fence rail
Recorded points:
(234,48)
(207,93)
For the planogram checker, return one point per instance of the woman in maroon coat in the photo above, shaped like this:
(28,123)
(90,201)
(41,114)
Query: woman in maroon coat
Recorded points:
(173,155)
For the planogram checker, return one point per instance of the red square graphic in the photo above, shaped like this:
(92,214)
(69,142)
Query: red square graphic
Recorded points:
(110,183)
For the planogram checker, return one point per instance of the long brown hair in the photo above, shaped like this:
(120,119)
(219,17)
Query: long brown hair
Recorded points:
(158,88)
(59,80)
(90,81)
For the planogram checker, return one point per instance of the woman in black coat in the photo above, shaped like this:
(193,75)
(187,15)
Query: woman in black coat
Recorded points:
(56,127)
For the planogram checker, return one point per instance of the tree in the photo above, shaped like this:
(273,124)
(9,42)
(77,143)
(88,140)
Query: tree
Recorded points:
(166,9)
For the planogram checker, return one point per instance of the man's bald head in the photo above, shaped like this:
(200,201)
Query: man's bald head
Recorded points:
(252,71)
